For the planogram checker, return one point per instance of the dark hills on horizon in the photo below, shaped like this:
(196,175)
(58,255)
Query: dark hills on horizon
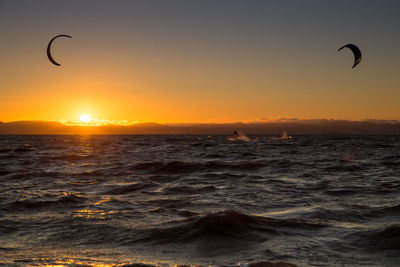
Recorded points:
(293,127)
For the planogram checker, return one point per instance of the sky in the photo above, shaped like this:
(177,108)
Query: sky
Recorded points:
(181,61)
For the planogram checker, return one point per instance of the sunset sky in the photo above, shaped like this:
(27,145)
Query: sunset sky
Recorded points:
(199,61)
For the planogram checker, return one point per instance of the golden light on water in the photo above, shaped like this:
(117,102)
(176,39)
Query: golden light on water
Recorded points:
(73,262)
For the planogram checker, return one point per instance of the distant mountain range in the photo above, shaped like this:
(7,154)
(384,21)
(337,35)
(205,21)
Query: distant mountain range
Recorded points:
(292,126)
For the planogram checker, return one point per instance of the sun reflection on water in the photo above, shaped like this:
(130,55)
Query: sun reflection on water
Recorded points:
(106,199)
(73,262)
(93,214)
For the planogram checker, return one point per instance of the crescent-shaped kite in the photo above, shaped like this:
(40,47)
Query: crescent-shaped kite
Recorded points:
(49,48)
(356,51)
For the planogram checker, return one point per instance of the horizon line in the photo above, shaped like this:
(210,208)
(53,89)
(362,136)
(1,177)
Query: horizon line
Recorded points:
(105,123)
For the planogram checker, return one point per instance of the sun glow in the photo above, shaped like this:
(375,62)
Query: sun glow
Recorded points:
(85,118)
(96,122)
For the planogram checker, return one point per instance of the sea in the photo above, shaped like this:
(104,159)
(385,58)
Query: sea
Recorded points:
(203,200)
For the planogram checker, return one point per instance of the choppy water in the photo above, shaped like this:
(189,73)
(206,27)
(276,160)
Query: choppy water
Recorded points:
(315,200)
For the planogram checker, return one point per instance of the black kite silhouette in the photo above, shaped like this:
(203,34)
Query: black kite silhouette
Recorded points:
(49,48)
(356,51)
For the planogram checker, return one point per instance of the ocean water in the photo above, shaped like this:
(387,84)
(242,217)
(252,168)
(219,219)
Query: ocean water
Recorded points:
(206,200)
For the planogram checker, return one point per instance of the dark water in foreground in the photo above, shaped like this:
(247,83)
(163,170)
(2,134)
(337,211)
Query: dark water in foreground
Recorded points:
(316,200)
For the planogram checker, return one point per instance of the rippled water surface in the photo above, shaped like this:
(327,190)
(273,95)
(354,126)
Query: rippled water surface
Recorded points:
(208,200)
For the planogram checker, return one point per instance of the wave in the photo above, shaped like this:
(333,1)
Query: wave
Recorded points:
(35,204)
(383,238)
(74,157)
(4,172)
(390,158)
(77,231)
(343,168)
(178,167)
(340,215)
(351,214)
(169,203)
(239,136)
(342,192)
(215,156)
(125,189)
(180,212)
(392,209)
(24,148)
(188,189)
(9,226)
(270,264)
(226,226)
(5,150)
(379,212)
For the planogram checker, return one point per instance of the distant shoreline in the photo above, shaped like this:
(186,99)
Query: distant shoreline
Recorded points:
(299,127)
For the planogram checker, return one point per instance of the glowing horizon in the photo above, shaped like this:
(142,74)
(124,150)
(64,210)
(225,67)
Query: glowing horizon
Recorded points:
(106,122)
(95,122)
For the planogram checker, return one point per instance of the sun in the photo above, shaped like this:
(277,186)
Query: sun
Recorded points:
(85,118)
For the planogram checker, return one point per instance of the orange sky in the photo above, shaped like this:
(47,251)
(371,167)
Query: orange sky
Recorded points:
(196,67)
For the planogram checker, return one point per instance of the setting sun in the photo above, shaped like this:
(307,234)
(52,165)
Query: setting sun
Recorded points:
(85,118)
